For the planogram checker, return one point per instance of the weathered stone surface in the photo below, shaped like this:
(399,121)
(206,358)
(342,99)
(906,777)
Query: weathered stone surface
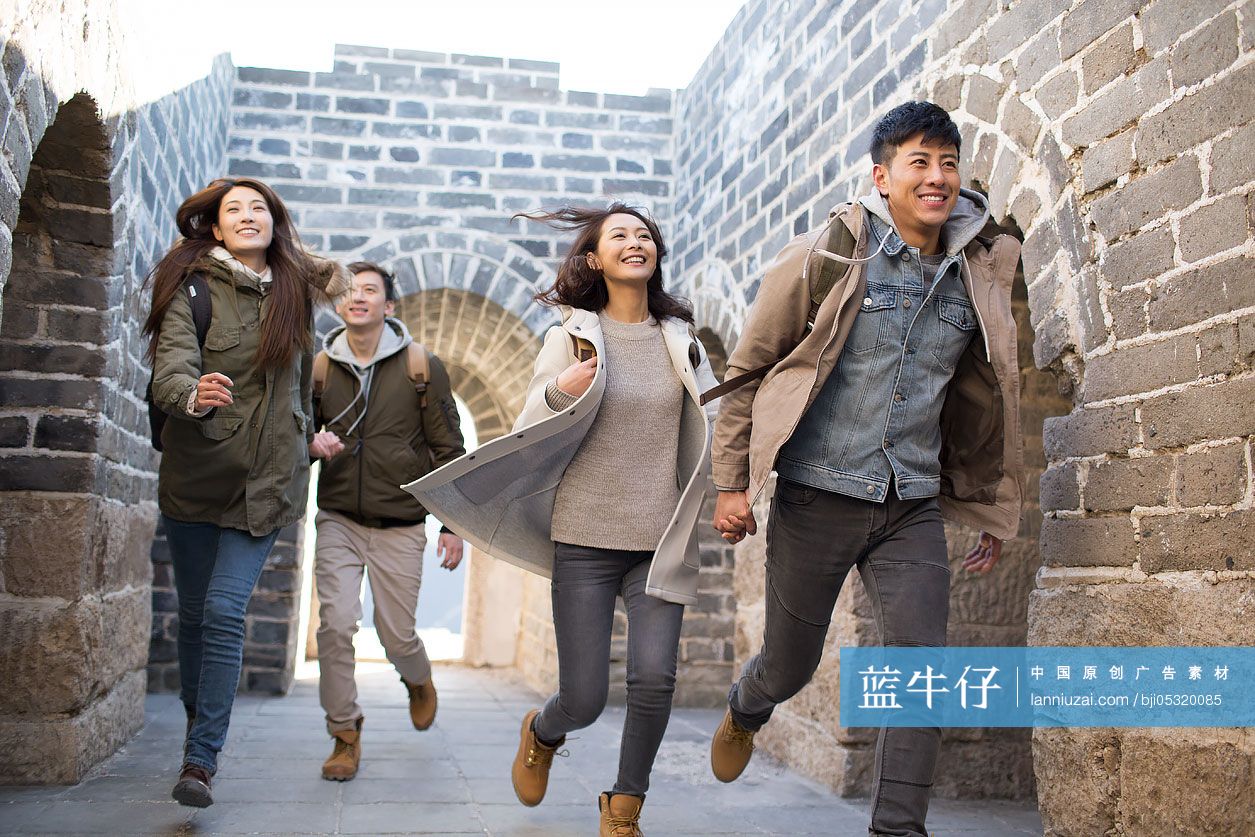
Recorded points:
(1111,58)
(1135,369)
(58,750)
(1223,541)
(1203,293)
(1078,779)
(1199,413)
(1088,542)
(1152,196)
(1194,119)
(1137,259)
(1214,228)
(1148,613)
(1163,772)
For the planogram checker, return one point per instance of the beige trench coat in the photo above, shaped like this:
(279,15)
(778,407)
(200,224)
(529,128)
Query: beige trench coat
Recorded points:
(500,497)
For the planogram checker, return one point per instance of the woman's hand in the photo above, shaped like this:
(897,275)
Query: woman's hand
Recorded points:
(325,445)
(578,377)
(213,390)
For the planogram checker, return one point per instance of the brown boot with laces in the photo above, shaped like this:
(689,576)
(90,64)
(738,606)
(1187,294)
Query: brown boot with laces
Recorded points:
(730,749)
(194,788)
(530,772)
(620,815)
(422,703)
(341,765)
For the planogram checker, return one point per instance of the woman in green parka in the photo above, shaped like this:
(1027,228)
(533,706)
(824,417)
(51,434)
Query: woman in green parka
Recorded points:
(235,462)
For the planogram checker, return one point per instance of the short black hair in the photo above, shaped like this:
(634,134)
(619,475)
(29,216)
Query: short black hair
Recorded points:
(905,121)
(389,281)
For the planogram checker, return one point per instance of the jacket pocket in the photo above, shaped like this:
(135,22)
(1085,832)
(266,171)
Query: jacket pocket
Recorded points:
(869,329)
(220,338)
(220,427)
(954,332)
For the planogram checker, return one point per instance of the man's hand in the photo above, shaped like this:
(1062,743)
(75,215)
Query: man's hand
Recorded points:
(325,445)
(984,555)
(449,550)
(578,377)
(213,390)
(733,517)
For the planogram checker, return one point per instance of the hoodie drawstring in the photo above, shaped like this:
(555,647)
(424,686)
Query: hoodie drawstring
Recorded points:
(815,250)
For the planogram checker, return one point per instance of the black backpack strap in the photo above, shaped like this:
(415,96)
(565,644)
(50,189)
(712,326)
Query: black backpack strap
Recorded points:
(202,307)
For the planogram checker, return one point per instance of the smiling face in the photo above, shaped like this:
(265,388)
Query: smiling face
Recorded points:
(920,182)
(367,304)
(626,250)
(245,226)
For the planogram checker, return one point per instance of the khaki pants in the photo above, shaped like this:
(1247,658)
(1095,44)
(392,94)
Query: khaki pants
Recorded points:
(394,558)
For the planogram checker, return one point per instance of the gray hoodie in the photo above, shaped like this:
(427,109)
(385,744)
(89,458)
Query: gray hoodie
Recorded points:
(394,338)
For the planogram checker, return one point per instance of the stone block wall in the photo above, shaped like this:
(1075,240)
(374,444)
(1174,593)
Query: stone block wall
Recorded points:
(88,182)
(1108,134)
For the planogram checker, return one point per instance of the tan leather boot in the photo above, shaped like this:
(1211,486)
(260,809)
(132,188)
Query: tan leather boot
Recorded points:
(530,772)
(341,765)
(730,749)
(422,703)
(620,815)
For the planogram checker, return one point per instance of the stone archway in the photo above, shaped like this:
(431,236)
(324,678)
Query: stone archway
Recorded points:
(75,601)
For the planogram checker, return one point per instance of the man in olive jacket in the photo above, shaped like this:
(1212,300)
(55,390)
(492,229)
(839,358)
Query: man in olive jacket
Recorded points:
(894,402)
(389,418)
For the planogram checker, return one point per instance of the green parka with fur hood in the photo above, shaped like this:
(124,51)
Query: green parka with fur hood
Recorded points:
(244,466)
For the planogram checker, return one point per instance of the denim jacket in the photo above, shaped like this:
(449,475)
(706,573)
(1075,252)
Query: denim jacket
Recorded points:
(877,417)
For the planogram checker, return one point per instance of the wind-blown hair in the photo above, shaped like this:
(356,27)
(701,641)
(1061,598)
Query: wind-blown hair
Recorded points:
(286,327)
(579,285)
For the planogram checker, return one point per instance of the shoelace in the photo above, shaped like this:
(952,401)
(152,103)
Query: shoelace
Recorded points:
(736,735)
(622,826)
(342,747)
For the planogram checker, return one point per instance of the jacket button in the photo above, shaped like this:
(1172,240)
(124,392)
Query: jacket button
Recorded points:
(906,255)
(897,396)
(867,302)
(906,303)
(871,489)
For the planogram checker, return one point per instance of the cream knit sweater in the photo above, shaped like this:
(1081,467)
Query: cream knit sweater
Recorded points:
(621,488)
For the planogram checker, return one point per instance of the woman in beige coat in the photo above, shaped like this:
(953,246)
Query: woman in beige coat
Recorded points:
(600,486)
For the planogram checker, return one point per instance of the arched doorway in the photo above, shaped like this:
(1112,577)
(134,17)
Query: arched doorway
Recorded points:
(74,521)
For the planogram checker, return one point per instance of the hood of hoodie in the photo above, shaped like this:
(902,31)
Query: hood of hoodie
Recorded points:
(395,338)
(967,219)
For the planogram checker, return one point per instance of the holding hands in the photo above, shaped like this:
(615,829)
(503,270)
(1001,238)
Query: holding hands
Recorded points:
(734,518)
(325,445)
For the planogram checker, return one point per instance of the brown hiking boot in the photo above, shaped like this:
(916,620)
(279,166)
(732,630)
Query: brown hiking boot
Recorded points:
(194,787)
(341,765)
(620,815)
(422,703)
(730,749)
(530,772)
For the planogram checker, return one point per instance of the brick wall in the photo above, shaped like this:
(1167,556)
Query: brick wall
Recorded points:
(88,184)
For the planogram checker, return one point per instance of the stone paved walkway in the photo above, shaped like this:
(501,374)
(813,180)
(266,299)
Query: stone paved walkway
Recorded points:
(452,779)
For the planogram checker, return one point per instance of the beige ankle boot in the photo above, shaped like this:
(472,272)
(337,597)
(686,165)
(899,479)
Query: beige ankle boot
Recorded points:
(341,765)
(620,815)
(530,771)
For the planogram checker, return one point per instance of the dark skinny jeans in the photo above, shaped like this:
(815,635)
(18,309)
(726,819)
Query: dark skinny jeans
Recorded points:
(586,581)
(814,539)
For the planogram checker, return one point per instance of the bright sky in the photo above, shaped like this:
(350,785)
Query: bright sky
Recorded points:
(615,47)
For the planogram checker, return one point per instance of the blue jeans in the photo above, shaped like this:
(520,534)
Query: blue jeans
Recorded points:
(215,570)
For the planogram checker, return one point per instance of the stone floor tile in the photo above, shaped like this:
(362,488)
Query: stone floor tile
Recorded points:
(410,818)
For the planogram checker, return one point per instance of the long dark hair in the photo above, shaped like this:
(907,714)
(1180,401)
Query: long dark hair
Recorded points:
(285,329)
(579,285)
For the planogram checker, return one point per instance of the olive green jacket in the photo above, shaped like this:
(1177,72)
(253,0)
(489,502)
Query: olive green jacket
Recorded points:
(389,437)
(244,466)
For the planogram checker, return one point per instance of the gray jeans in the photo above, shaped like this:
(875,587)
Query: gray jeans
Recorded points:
(586,581)
(814,538)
